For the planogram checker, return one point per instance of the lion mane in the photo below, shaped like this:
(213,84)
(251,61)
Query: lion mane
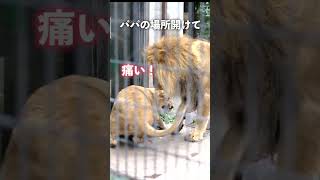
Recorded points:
(182,68)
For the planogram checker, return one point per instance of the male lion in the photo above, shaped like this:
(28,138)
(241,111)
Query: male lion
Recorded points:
(135,110)
(62,133)
(267,87)
(182,67)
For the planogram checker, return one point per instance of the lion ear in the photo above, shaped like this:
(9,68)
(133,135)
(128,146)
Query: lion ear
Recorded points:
(161,93)
(161,55)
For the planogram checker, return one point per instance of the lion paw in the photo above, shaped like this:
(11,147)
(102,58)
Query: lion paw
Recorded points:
(113,143)
(137,140)
(194,137)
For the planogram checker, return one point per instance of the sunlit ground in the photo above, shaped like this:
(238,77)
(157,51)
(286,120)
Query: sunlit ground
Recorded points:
(167,157)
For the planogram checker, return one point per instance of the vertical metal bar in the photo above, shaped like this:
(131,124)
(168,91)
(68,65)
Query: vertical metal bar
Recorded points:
(145,36)
(135,136)
(145,139)
(176,70)
(136,40)
(202,21)
(163,15)
(255,67)
(2,73)
(114,19)
(126,7)
(81,60)
(219,87)
(21,86)
(135,36)
(2,146)
(191,10)
(49,75)
(202,25)
(108,70)
(289,101)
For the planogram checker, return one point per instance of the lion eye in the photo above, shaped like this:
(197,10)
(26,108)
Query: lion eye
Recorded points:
(162,106)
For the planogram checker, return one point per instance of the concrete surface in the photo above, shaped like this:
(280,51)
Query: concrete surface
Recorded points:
(162,158)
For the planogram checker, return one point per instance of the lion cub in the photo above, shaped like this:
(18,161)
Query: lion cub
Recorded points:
(135,110)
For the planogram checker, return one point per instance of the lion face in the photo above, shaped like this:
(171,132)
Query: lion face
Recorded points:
(164,102)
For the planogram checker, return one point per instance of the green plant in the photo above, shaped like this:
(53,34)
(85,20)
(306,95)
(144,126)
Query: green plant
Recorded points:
(167,118)
(202,13)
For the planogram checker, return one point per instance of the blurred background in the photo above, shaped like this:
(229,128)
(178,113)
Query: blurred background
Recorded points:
(25,67)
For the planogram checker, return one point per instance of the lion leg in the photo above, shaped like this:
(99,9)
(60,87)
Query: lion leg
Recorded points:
(138,139)
(160,124)
(179,128)
(201,123)
(113,141)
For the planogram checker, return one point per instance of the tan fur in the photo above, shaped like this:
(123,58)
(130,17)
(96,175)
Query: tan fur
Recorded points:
(61,133)
(182,67)
(135,109)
